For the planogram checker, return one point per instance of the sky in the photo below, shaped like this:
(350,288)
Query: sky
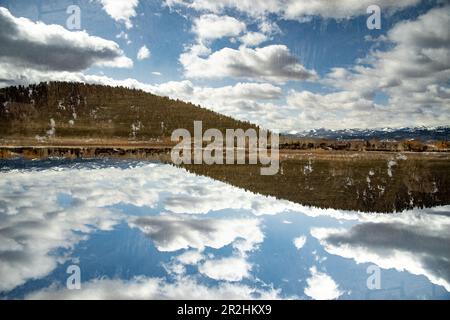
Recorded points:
(289,65)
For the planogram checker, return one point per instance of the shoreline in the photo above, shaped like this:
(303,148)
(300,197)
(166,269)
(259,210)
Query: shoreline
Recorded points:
(143,150)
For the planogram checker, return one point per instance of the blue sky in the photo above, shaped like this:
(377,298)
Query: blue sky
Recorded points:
(284,64)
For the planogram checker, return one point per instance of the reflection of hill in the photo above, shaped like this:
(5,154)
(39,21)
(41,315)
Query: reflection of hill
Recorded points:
(364,181)
(372,184)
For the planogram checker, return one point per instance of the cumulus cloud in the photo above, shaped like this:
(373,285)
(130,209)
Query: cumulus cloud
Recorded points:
(121,10)
(413,75)
(419,58)
(253,39)
(191,257)
(294,9)
(335,110)
(210,27)
(38,46)
(187,91)
(228,269)
(271,63)
(145,288)
(320,286)
(143,53)
(345,9)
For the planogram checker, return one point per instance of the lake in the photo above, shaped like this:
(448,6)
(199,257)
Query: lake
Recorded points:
(146,230)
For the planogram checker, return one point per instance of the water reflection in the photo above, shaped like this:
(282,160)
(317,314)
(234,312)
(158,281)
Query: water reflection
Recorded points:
(380,182)
(152,231)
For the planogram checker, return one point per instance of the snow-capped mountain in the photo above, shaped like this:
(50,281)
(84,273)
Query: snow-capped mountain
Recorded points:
(418,133)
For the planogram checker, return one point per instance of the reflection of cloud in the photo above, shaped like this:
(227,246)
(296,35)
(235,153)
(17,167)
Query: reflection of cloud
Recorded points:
(420,249)
(299,242)
(171,233)
(142,288)
(321,286)
(228,269)
(28,237)
(201,198)
(35,223)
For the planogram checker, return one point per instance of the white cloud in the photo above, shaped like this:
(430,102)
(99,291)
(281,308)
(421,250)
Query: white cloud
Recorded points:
(37,46)
(335,110)
(191,257)
(272,63)
(297,9)
(211,27)
(227,269)
(294,9)
(143,53)
(156,73)
(121,10)
(413,75)
(321,286)
(122,35)
(144,288)
(299,242)
(253,39)
(207,95)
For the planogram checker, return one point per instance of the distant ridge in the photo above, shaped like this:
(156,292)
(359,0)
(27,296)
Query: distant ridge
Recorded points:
(416,133)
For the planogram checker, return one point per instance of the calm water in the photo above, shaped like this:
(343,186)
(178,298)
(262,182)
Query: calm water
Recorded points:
(152,231)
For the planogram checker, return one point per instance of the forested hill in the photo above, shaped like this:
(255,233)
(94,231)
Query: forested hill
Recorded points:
(62,110)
